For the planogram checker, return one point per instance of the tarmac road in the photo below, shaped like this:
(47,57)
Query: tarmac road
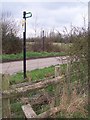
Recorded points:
(17,66)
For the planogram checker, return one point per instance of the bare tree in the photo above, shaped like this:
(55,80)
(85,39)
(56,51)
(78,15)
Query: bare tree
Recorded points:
(10,42)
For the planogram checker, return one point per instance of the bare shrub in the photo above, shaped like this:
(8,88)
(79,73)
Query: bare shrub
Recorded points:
(74,95)
(48,45)
(10,42)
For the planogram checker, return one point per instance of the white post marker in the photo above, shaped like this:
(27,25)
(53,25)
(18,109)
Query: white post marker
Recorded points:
(23,24)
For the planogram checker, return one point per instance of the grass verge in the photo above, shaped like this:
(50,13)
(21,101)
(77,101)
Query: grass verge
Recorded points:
(29,55)
(32,75)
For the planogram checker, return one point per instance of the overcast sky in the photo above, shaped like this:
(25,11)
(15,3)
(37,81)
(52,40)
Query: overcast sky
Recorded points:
(48,15)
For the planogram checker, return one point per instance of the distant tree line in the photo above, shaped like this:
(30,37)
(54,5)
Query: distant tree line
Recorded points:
(11,44)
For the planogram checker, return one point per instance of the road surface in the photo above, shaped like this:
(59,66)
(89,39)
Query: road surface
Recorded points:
(17,66)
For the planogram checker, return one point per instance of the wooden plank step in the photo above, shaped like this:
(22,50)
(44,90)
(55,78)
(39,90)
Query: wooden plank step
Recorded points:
(28,111)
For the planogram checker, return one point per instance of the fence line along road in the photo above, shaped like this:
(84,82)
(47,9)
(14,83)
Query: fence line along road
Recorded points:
(13,91)
(17,66)
(18,92)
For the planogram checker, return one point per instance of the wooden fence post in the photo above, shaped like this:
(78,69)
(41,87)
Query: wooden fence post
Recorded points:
(68,79)
(5,101)
(57,87)
(57,71)
(0,97)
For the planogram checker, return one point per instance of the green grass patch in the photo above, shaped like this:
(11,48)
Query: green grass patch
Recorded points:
(19,56)
(34,75)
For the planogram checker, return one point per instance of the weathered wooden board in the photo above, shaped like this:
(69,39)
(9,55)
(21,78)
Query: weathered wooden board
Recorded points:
(31,87)
(6,112)
(28,111)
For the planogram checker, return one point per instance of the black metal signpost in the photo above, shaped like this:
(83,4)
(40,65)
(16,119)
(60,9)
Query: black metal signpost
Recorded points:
(24,41)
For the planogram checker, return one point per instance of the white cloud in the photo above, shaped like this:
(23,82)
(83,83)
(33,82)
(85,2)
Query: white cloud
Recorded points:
(49,15)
